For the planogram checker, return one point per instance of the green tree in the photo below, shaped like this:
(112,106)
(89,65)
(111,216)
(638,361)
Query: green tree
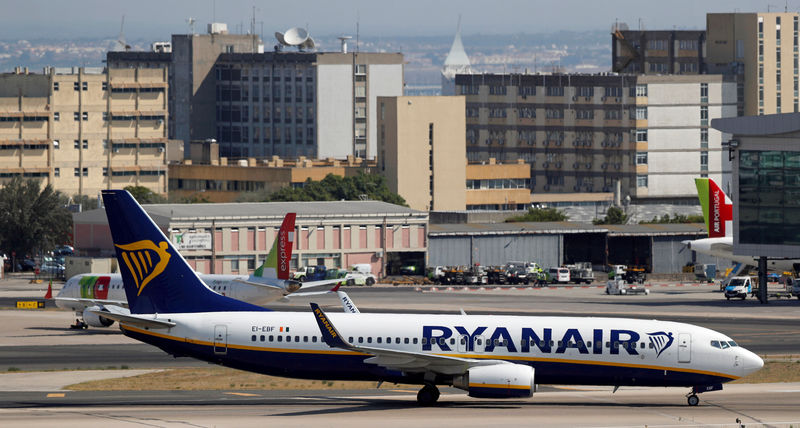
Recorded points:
(143,195)
(679,218)
(332,188)
(614,215)
(540,214)
(32,219)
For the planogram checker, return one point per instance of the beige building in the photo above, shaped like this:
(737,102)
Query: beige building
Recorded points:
(421,150)
(496,186)
(762,49)
(216,179)
(83,130)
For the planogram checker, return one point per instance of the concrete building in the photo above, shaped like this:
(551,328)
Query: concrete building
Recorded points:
(221,181)
(336,234)
(421,150)
(762,49)
(84,130)
(494,186)
(641,136)
(289,104)
(658,52)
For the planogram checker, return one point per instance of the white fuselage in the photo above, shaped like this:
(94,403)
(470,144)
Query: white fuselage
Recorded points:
(85,290)
(568,350)
(723,248)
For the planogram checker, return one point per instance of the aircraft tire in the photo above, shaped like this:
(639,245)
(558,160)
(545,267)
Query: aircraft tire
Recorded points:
(428,395)
(693,400)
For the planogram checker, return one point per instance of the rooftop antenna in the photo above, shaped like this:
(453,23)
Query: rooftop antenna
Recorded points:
(191,22)
(120,45)
(358,18)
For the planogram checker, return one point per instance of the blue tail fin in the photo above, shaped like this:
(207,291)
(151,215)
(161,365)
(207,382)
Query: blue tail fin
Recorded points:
(157,279)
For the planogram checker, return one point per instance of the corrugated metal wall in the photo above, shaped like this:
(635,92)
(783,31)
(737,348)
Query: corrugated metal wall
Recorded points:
(547,250)
(669,255)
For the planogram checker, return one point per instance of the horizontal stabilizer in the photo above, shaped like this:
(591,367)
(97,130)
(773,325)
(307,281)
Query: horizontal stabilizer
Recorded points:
(98,302)
(136,320)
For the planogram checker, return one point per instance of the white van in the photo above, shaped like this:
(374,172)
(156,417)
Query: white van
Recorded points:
(558,275)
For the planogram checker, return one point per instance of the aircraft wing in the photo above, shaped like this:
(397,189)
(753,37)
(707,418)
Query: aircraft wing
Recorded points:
(93,302)
(395,359)
(257,283)
(124,316)
(313,284)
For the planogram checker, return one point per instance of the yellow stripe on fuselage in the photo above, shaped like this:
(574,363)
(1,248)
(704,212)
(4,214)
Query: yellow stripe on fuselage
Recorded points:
(470,356)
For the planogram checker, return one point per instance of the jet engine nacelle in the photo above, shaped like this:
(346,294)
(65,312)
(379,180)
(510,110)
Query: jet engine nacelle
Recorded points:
(95,320)
(497,381)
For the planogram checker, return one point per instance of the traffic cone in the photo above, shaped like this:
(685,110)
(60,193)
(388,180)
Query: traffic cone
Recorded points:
(49,294)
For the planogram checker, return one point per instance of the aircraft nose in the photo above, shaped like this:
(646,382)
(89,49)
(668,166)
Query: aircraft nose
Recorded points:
(750,362)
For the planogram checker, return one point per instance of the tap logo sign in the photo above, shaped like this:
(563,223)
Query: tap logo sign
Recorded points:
(145,261)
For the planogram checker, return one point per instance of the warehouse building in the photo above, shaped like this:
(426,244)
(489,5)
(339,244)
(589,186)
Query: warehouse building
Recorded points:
(656,247)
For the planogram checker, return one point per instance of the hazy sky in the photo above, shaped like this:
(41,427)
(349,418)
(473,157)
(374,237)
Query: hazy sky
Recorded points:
(157,20)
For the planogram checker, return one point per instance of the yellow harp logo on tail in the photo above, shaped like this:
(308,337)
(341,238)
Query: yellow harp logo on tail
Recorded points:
(139,257)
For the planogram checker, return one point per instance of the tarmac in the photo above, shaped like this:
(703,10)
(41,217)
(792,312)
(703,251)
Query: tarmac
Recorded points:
(37,398)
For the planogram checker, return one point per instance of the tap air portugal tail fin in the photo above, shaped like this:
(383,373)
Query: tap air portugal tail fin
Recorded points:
(156,277)
(276,265)
(717,208)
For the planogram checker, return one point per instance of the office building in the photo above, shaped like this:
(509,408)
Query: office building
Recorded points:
(83,130)
(762,50)
(288,103)
(642,136)
(658,52)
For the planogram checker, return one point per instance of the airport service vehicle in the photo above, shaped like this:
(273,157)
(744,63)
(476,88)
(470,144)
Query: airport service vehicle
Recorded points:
(558,275)
(360,274)
(516,273)
(739,287)
(311,273)
(487,356)
(581,272)
(270,282)
(794,285)
(618,285)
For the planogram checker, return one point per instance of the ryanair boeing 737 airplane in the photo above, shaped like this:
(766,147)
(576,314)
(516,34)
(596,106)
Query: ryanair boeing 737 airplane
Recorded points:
(488,356)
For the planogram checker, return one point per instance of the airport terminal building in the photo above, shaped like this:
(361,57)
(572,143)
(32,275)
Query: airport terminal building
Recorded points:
(234,238)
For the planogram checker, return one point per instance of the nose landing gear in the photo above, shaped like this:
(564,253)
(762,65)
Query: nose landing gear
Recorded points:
(692,398)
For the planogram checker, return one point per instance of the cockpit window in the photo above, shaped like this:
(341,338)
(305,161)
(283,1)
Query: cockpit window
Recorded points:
(723,344)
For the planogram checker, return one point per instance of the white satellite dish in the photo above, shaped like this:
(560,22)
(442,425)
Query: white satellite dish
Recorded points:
(308,44)
(295,36)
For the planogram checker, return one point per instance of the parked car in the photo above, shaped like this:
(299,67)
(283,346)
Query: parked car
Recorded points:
(53,269)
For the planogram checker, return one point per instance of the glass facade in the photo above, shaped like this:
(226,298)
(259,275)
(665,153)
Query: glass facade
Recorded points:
(769,197)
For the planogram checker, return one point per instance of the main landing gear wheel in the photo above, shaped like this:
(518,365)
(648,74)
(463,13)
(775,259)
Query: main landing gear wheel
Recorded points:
(428,395)
(693,400)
